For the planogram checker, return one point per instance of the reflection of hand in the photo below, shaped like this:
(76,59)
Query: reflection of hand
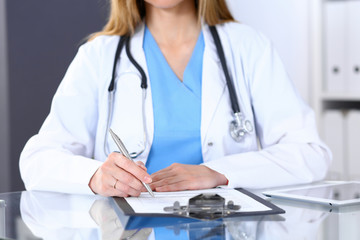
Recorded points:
(106,218)
(179,177)
(58,216)
(141,234)
(119,176)
(111,228)
(241,229)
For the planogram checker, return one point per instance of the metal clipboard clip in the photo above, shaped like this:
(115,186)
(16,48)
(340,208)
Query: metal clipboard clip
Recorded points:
(204,207)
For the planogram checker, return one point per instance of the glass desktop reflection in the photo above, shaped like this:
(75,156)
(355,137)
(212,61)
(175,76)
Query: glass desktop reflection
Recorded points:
(63,216)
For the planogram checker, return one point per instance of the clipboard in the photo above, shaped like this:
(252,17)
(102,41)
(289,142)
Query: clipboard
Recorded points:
(124,208)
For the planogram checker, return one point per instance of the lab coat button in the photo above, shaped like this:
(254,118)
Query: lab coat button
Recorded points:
(210,144)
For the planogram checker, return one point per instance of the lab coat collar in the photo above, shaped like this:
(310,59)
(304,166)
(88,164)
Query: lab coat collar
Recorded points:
(213,83)
(136,48)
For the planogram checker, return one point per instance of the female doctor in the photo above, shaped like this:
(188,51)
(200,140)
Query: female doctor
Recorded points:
(167,92)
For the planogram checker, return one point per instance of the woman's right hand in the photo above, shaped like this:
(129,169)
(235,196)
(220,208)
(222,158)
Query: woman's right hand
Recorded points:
(119,176)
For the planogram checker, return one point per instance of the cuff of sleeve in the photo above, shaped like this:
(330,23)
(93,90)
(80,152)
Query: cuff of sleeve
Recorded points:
(213,167)
(79,176)
(88,174)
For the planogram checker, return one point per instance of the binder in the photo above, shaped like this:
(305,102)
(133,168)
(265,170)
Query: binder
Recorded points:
(333,136)
(353,43)
(353,146)
(123,208)
(335,47)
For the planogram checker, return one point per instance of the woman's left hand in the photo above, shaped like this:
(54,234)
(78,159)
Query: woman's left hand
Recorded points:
(178,177)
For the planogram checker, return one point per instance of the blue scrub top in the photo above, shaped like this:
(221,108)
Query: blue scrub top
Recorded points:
(177,107)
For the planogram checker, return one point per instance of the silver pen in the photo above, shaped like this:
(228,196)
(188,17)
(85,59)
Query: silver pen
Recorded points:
(125,152)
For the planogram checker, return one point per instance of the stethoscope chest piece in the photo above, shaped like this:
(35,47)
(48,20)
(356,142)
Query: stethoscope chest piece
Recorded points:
(239,127)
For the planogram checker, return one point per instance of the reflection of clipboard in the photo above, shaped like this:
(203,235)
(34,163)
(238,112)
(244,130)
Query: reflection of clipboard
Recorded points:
(267,208)
(138,222)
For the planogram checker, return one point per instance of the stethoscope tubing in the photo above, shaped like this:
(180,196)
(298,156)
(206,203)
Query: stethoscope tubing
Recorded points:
(233,96)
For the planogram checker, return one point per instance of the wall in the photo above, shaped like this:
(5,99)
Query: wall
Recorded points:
(4,109)
(43,37)
(287,24)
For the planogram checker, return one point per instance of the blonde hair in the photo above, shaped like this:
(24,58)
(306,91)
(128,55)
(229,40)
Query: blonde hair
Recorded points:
(125,15)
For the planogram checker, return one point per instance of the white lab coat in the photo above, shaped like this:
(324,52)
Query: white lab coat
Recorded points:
(68,149)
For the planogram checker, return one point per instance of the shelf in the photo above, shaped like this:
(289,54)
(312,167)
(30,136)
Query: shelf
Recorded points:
(344,97)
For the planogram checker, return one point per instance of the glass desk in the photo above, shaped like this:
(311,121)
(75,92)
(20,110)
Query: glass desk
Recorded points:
(43,215)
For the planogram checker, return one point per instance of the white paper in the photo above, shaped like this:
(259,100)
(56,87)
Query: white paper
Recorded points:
(147,204)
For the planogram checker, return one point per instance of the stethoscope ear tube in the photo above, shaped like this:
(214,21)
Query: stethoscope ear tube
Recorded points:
(219,48)
(117,55)
(137,65)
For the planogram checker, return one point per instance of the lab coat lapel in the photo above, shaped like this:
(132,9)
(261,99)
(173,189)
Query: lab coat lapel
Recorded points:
(213,83)
(136,48)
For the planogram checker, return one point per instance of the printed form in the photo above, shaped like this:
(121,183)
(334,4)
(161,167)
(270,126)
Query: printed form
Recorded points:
(147,204)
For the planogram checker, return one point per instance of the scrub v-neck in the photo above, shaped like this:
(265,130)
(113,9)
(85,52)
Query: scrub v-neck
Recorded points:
(176,107)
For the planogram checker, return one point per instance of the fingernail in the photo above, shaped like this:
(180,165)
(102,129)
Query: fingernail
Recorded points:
(147,179)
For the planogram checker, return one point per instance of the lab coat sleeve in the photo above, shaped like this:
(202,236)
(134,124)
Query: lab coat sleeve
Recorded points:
(291,151)
(59,157)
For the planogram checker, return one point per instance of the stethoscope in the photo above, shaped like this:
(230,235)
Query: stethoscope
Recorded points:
(239,127)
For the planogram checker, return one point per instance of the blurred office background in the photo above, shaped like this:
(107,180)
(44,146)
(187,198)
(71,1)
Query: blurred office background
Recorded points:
(38,40)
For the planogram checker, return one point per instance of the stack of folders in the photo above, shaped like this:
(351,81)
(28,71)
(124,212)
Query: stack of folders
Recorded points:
(342,134)
(342,46)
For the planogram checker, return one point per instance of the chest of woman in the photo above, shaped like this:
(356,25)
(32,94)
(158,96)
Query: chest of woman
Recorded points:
(132,115)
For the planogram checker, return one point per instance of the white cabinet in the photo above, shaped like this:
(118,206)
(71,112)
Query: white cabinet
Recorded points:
(335,57)
(335,46)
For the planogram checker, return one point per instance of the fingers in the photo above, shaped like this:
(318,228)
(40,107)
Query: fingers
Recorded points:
(160,175)
(178,177)
(178,186)
(172,178)
(165,181)
(142,165)
(121,187)
(129,174)
(143,189)
(127,178)
(175,184)
(119,176)
(131,167)
(172,170)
